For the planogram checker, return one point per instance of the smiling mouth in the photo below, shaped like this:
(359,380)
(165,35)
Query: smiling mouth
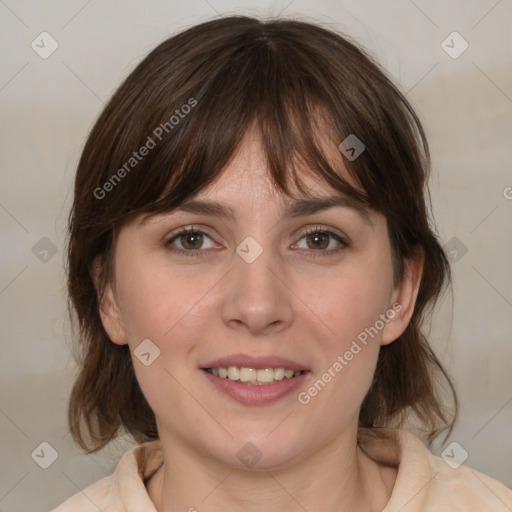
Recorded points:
(253,376)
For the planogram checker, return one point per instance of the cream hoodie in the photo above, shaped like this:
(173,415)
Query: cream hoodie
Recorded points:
(424,482)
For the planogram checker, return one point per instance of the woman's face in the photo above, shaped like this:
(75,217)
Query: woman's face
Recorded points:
(259,292)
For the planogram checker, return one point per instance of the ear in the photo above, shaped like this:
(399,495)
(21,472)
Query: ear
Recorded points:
(108,308)
(403,299)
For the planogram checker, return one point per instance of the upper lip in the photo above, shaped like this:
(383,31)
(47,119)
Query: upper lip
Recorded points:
(256,362)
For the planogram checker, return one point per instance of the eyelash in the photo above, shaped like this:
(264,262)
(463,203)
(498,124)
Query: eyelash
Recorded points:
(315,252)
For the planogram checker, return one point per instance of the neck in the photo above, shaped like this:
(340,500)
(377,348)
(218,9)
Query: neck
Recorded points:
(337,477)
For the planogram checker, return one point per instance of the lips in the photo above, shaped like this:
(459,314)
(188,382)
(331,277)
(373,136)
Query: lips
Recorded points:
(247,392)
(256,362)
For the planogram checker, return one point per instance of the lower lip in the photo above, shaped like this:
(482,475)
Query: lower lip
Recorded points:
(256,395)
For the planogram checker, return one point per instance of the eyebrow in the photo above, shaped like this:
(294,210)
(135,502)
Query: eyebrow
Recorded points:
(298,208)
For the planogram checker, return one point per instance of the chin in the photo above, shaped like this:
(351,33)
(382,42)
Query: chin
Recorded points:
(267,451)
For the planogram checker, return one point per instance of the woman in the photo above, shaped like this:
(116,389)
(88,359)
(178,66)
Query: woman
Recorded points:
(250,261)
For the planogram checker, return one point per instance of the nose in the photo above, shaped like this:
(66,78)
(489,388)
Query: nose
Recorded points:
(256,297)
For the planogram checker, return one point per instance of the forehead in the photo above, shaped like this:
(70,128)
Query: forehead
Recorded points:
(247,175)
(246,182)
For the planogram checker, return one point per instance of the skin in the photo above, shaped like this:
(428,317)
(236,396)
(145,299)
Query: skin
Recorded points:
(288,303)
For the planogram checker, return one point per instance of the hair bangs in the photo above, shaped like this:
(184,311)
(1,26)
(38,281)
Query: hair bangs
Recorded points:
(257,91)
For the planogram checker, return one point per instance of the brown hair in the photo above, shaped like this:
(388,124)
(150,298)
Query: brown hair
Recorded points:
(189,103)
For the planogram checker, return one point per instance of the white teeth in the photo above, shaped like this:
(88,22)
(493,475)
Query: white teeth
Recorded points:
(265,375)
(252,376)
(233,373)
(278,373)
(247,374)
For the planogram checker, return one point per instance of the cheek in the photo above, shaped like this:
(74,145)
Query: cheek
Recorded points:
(350,306)
(160,304)
(166,308)
(351,301)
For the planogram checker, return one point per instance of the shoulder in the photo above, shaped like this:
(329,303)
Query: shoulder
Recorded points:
(89,499)
(465,488)
(126,485)
(427,483)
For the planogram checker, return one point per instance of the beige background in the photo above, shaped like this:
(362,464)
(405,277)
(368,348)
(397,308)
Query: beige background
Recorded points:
(48,106)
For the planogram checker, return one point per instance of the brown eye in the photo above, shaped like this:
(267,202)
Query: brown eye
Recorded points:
(191,240)
(318,240)
(322,242)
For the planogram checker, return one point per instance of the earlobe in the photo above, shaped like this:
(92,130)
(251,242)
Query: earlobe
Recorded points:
(403,300)
(108,308)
